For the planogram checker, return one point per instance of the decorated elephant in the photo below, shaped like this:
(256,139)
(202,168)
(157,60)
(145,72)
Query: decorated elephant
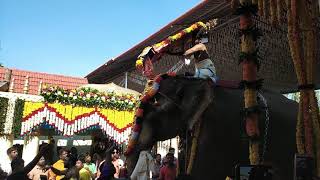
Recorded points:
(181,102)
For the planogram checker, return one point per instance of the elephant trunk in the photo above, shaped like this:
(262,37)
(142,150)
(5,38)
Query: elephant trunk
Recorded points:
(131,161)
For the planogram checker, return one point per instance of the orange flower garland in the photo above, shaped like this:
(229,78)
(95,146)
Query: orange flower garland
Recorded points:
(161,46)
(150,91)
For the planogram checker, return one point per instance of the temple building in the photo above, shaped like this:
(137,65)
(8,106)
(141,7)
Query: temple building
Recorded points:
(277,69)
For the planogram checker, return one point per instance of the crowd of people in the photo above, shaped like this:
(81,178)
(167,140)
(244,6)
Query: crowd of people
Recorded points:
(71,166)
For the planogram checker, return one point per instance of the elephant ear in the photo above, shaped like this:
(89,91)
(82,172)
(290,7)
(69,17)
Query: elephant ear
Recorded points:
(196,99)
(180,93)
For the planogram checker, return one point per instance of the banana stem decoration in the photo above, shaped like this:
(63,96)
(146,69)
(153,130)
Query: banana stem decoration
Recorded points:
(250,64)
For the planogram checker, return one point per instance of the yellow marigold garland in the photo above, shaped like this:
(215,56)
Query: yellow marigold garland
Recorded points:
(159,47)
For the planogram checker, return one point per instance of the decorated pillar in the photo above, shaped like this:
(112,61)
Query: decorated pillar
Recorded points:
(40,88)
(6,137)
(30,147)
(7,75)
(250,64)
(11,86)
(26,86)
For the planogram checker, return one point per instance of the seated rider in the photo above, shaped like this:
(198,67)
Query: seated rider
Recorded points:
(204,67)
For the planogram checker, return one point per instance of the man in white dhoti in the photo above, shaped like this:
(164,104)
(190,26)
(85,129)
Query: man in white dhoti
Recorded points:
(143,167)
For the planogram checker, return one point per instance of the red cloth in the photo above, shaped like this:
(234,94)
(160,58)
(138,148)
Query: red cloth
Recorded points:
(168,173)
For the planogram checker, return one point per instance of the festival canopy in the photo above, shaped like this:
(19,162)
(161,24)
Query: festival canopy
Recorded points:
(109,108)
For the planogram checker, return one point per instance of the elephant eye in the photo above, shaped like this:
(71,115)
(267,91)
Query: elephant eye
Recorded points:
(155,102)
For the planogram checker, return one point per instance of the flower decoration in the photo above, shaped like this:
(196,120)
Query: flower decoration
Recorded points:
(139,63)
(148,94)
(89,97)
(69,120)
(3,112)
(161,46)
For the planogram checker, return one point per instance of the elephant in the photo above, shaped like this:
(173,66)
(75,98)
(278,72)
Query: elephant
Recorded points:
(181,102)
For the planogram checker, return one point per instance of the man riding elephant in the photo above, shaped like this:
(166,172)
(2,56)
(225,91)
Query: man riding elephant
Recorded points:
(204,67)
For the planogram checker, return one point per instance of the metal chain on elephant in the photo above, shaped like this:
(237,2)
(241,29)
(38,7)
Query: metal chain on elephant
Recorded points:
(267,120)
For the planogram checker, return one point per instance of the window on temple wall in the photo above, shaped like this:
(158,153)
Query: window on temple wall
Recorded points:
(62,142)
(82,142)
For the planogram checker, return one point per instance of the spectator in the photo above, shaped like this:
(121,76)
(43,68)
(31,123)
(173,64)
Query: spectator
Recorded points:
(156,167)
(72,174)
(97,159)
(175,161)
(39,170)
(21,172)
(106,168)
(117,162)
(144,165)
(123,172)
(73,156)
(59,165)
(12,153)
(84,174)
(69,174)
(91,167)
(168,171)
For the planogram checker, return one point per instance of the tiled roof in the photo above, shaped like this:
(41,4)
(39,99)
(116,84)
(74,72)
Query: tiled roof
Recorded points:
(204,11)
(19,76)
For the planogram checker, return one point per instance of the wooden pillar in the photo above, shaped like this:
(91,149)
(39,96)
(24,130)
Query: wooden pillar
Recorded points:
(40,88)
(26,86)
(11,87)
(126,80)
(249,63)
(7,75)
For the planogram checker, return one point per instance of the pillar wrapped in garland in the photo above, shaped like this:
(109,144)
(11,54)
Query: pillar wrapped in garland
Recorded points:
(249,61)
(301,16)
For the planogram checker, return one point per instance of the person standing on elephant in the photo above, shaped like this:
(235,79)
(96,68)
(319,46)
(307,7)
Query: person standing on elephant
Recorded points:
(168,171)
(204,67)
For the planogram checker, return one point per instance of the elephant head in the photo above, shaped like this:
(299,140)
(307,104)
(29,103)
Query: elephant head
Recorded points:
(177,105)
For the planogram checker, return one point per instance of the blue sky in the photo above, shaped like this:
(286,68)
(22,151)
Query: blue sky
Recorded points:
(74,37)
